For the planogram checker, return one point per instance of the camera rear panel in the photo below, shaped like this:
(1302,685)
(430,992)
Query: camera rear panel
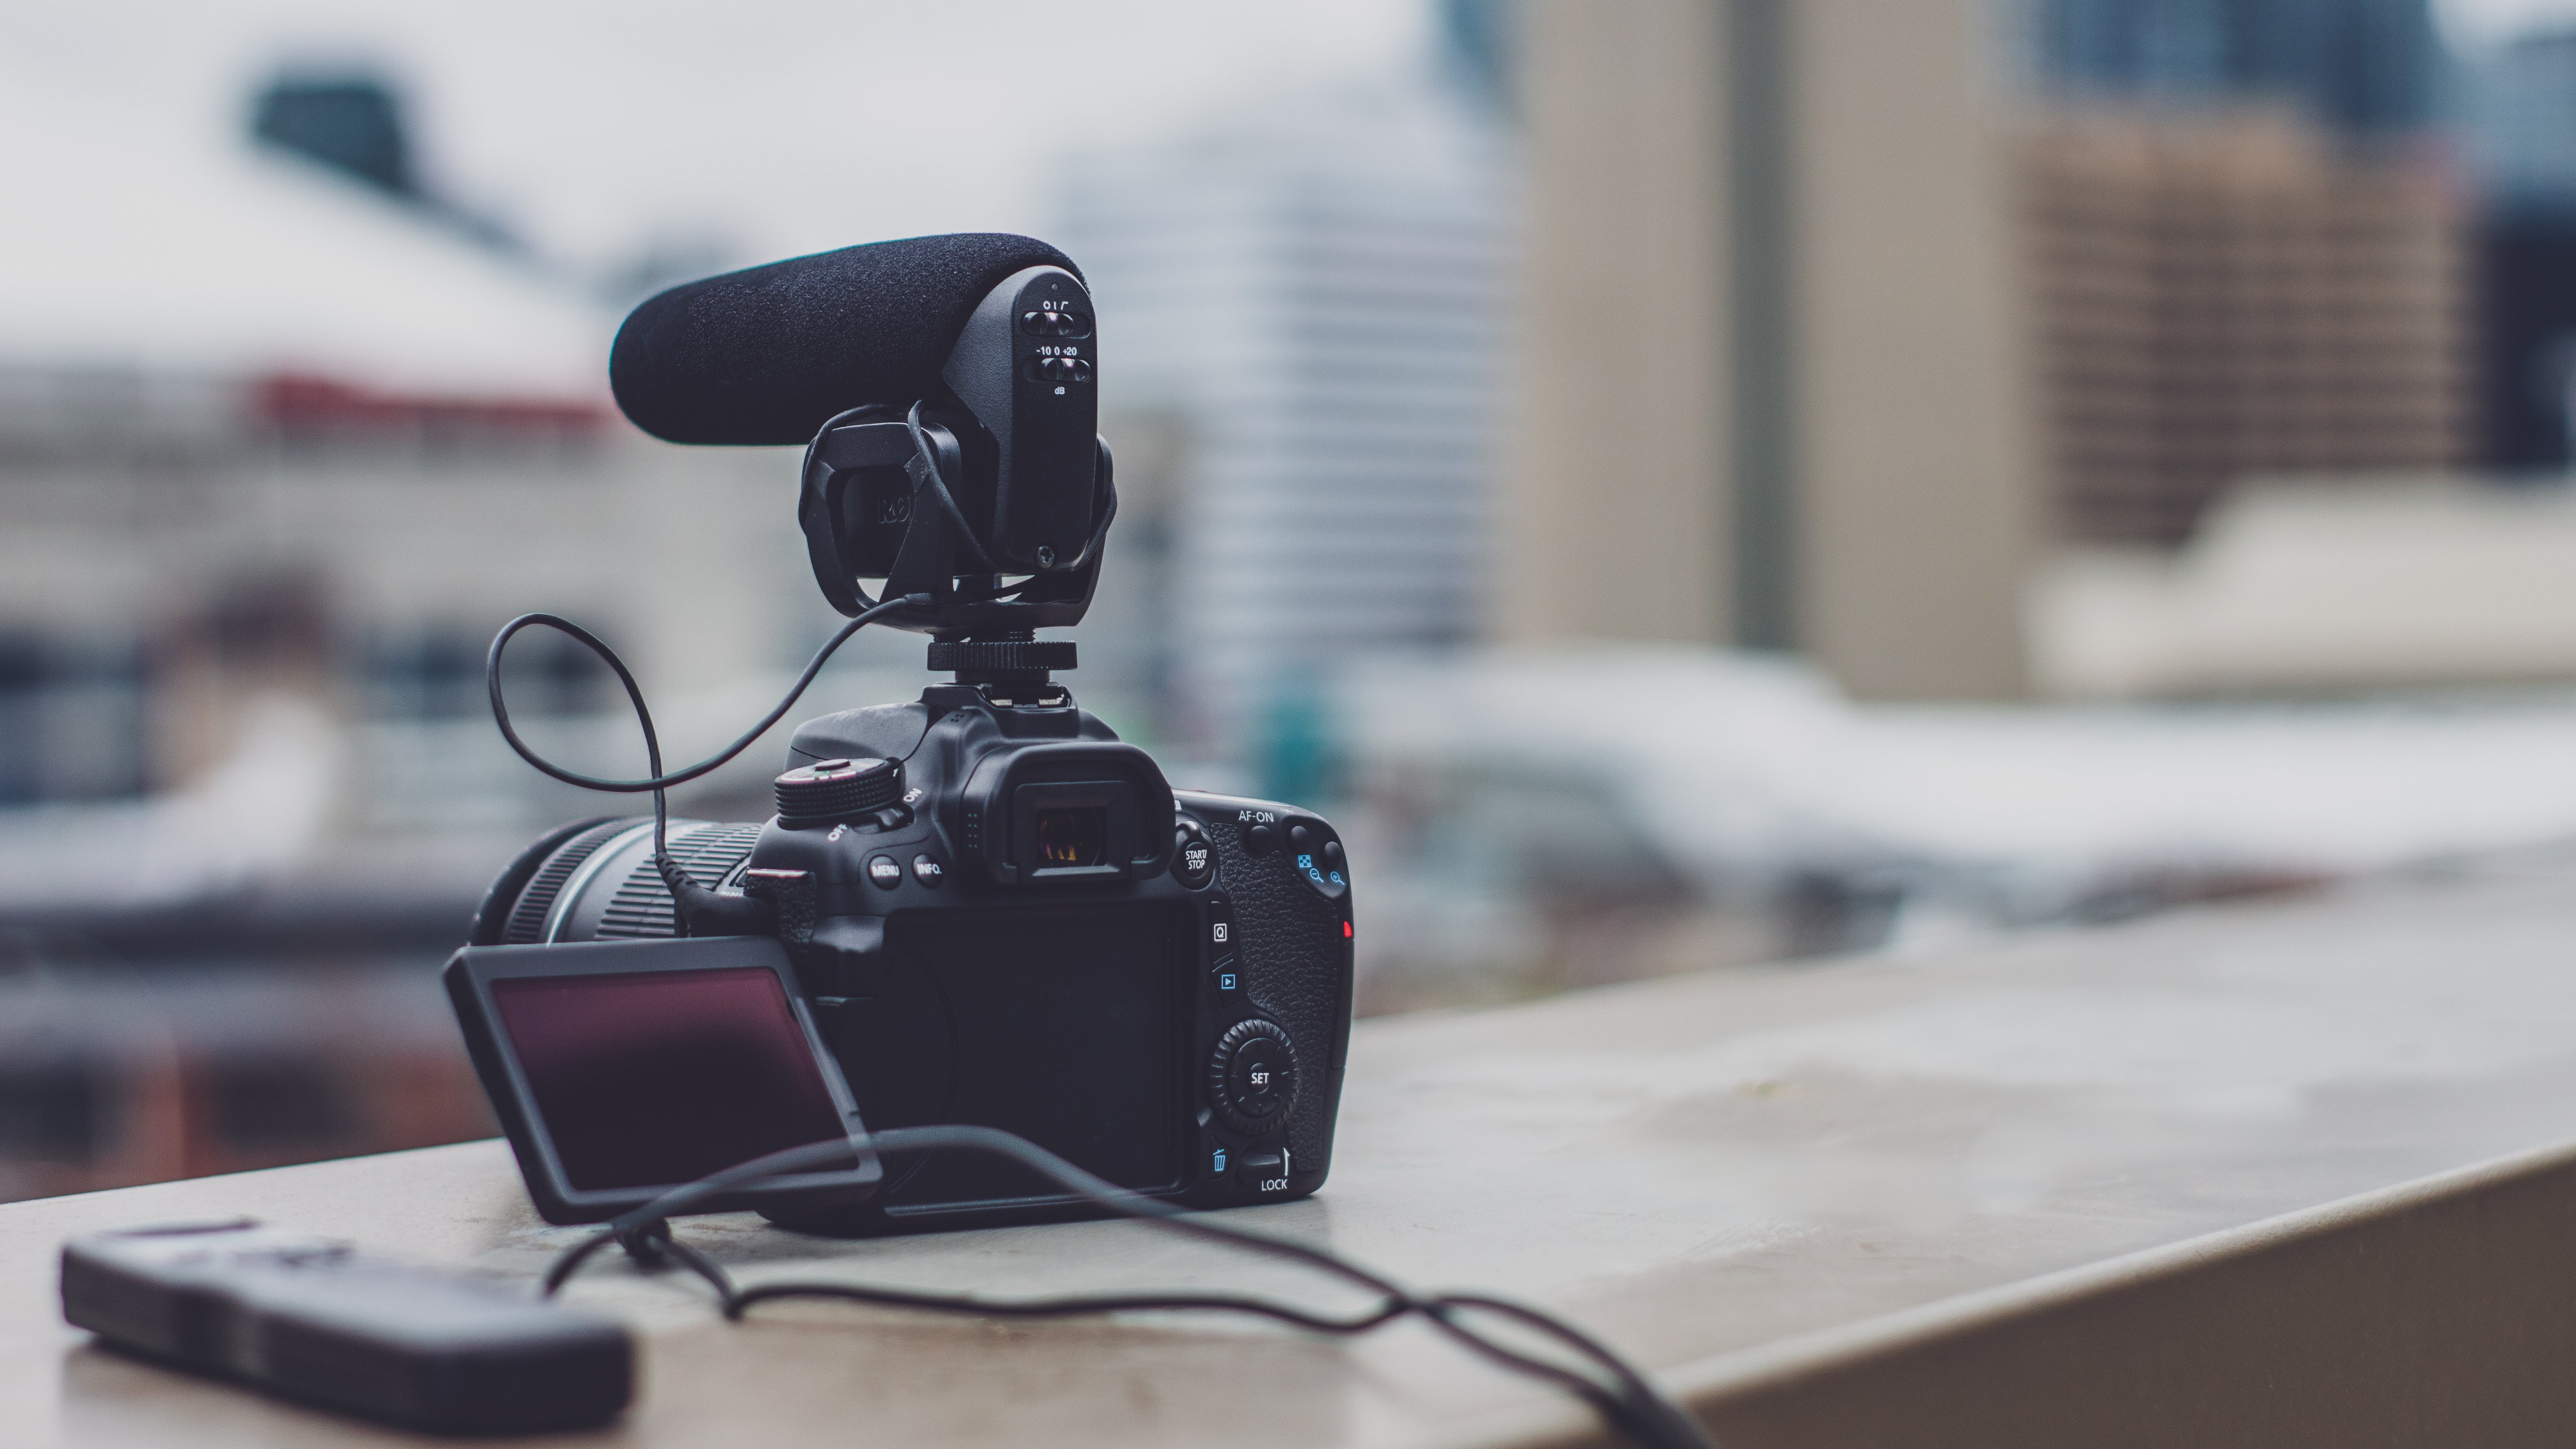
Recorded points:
(1090,1018)
(1064,1024)
(1086,1015)
(1291,947)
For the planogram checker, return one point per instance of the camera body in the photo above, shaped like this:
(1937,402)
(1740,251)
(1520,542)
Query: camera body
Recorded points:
(1001,914)
(998,913)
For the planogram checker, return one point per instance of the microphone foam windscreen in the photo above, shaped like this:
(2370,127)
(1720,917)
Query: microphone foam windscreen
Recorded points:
(767,355)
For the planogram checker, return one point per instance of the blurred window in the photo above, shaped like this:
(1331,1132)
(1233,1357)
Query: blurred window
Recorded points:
(437,673)
(270,1104)
(71,721)
(52,1109)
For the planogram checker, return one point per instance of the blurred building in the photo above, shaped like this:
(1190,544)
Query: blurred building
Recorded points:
(1774,379)
(1304,316)
(2358,68)
(112,1077)
(318,453)
(2521,107)
(2521,110)
(1852,316)
(2323,589)
(2225,297)
(279,450)
(350,122)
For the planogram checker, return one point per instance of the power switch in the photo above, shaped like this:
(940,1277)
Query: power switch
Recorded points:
(1265,1172)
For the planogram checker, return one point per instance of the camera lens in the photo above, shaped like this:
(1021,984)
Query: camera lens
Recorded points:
(1072,836)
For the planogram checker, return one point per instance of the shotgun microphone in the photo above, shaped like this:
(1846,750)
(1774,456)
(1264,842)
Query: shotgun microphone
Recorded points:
(767,355)
(946,391)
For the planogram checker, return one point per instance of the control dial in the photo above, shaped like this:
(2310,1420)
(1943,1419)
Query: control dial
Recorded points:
(830,790)
(1252,1078)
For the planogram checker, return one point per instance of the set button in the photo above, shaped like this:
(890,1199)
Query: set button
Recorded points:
(1252,1076)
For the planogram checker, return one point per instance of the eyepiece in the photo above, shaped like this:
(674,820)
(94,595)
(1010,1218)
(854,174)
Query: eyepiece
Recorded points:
(1076,836)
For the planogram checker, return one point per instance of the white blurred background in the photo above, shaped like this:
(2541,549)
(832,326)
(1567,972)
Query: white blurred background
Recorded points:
(1682,482)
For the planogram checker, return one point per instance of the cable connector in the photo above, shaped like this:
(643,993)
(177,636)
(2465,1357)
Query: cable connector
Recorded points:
(698,911)
(648,1243)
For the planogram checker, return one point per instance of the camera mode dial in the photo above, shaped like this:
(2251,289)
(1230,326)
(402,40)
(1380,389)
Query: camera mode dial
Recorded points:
(830,790)
(1252,1078)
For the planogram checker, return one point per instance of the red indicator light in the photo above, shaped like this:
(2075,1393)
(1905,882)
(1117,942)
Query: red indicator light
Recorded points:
(1346,930)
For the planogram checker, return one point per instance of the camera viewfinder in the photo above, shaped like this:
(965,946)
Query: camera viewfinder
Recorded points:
(1072,837)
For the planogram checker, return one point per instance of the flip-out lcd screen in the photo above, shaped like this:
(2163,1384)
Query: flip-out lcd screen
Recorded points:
(650,1078)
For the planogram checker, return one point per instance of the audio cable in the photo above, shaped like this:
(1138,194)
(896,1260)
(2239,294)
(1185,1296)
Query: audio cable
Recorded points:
(690,899)
(1580,1364)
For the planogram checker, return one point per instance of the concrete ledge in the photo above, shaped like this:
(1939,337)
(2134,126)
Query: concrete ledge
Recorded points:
(2201,1180)
(2438,1312)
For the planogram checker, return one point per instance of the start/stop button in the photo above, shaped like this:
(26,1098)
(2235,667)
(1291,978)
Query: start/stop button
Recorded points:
(1193,856)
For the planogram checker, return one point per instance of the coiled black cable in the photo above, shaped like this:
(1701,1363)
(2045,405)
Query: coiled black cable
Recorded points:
(1617,1390)
(654,780)
(933,479)
(1614,1388)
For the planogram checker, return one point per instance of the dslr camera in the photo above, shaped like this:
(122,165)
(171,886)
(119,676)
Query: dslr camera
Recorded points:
(977,907)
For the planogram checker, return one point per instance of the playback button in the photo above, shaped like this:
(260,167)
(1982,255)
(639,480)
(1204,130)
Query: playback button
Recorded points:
(1217,945)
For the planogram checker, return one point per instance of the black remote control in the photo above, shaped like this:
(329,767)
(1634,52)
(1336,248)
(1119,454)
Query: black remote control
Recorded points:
(313,1319)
